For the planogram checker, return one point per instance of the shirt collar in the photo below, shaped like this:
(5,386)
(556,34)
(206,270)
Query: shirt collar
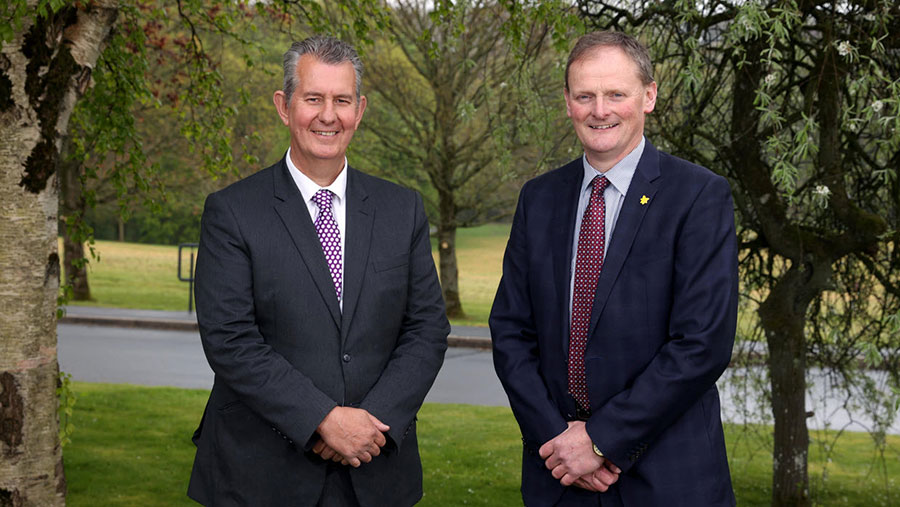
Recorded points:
(308,187)
(619,175)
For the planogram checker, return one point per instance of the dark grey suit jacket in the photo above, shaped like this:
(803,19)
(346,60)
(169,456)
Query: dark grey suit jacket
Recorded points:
(284,354)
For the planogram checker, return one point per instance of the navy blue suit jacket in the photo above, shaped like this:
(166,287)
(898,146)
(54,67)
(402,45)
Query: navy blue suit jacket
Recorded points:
(661,332)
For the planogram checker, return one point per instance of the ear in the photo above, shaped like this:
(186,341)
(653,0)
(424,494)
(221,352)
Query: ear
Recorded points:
(566,96)
(650,97)
(360,110)
(281,105)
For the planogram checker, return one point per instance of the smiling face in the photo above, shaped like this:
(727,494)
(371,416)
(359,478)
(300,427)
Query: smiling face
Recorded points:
(607,101)
(322,115)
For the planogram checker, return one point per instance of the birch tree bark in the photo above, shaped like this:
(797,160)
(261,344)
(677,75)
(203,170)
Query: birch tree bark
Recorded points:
(44,69)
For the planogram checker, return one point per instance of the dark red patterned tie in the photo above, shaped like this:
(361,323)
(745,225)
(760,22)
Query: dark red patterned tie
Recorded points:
(589,261)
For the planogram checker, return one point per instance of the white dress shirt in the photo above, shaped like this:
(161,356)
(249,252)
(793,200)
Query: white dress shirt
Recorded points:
(338,187)
(619,177)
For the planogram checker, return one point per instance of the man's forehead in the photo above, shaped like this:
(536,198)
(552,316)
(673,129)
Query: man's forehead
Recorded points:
(314,74)
(597,65)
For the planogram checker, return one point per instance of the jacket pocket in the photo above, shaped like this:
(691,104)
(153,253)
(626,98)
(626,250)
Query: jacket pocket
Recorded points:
(394,261)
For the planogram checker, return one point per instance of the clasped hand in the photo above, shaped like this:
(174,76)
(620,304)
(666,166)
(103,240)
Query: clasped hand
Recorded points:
(570,458)
(351,436)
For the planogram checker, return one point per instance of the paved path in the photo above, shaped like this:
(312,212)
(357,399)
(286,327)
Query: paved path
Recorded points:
(163,348)
(175,358)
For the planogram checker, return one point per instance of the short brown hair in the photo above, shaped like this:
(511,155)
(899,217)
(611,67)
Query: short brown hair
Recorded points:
(631,46)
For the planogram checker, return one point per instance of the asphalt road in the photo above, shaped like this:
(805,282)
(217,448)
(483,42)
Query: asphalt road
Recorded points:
(175,358)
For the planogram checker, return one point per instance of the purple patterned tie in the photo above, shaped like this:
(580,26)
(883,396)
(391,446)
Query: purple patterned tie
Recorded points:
(591,241)
(329,236)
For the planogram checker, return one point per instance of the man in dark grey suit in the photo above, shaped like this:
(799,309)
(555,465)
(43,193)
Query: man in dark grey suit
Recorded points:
(320,314)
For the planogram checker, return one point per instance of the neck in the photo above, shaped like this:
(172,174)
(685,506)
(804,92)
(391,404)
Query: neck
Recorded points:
(322,172)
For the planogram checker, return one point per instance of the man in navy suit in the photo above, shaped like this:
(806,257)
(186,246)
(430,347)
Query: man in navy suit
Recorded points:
(617,308)
(320,313)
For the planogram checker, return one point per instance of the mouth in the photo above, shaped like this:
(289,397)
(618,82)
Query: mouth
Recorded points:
(325,133)
(604,127)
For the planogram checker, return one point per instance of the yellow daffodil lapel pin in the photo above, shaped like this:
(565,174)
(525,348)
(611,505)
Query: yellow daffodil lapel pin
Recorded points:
(644,200)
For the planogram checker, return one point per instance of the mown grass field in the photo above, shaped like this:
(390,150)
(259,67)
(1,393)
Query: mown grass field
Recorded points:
(131,447)
(131,275)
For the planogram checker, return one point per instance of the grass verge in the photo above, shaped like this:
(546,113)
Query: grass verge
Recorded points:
(132,447)
(132,275)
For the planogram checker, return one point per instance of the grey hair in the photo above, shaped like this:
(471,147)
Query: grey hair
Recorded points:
(631,46)
(327,50)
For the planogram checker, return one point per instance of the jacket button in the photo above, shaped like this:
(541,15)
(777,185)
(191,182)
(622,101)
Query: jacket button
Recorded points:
(346,358)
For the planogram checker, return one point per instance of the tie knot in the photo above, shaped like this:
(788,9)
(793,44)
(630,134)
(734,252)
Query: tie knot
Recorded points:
(600,183)
(323,198)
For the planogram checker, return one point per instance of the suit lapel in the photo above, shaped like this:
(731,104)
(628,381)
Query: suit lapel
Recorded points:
(561,240)
(630,218)
(360,215)
(294,215)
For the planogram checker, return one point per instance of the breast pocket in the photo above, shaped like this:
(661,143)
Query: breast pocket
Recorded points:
(391,262)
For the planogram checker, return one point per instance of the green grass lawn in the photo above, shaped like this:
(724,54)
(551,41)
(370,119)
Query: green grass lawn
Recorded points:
(131,275)
(131,447)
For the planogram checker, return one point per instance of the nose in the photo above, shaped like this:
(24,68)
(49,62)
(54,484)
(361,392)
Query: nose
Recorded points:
(600,109)
(327,114)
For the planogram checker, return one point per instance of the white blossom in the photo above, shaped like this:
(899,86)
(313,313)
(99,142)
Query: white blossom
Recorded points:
(877,105)
(822,190)
(844,48)
(771,78)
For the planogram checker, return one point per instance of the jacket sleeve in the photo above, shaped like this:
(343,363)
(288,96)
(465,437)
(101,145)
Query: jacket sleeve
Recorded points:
(263,379)
(419,352)
(701,328)
(515,340)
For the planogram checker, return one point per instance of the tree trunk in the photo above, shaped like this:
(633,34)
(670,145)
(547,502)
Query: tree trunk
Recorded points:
(43,70)
(783,316)
(449,271)
(73,205)
(76,272)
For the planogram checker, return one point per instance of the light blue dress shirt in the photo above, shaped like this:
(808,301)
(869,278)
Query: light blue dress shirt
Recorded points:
(619,177)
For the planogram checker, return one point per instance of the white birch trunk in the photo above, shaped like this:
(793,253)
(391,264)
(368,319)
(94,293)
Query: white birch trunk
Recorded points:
(43,71)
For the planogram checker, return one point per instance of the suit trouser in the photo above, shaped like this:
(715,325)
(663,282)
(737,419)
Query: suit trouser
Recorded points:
(338,490)
(575,496)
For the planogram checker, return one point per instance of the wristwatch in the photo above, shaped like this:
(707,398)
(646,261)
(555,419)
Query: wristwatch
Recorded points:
(597,450)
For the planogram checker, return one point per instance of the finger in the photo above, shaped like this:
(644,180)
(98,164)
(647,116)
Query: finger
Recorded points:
(380,440)
(327,453)
(336,457)
(605,476)
(318,446)
(354,462)
(345,462)
(599,484)
(375,451)
(584,484)
(558,472)
(546,450)
(553,461)
(568,479)
(378,424)
(365,457)
(614,468)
